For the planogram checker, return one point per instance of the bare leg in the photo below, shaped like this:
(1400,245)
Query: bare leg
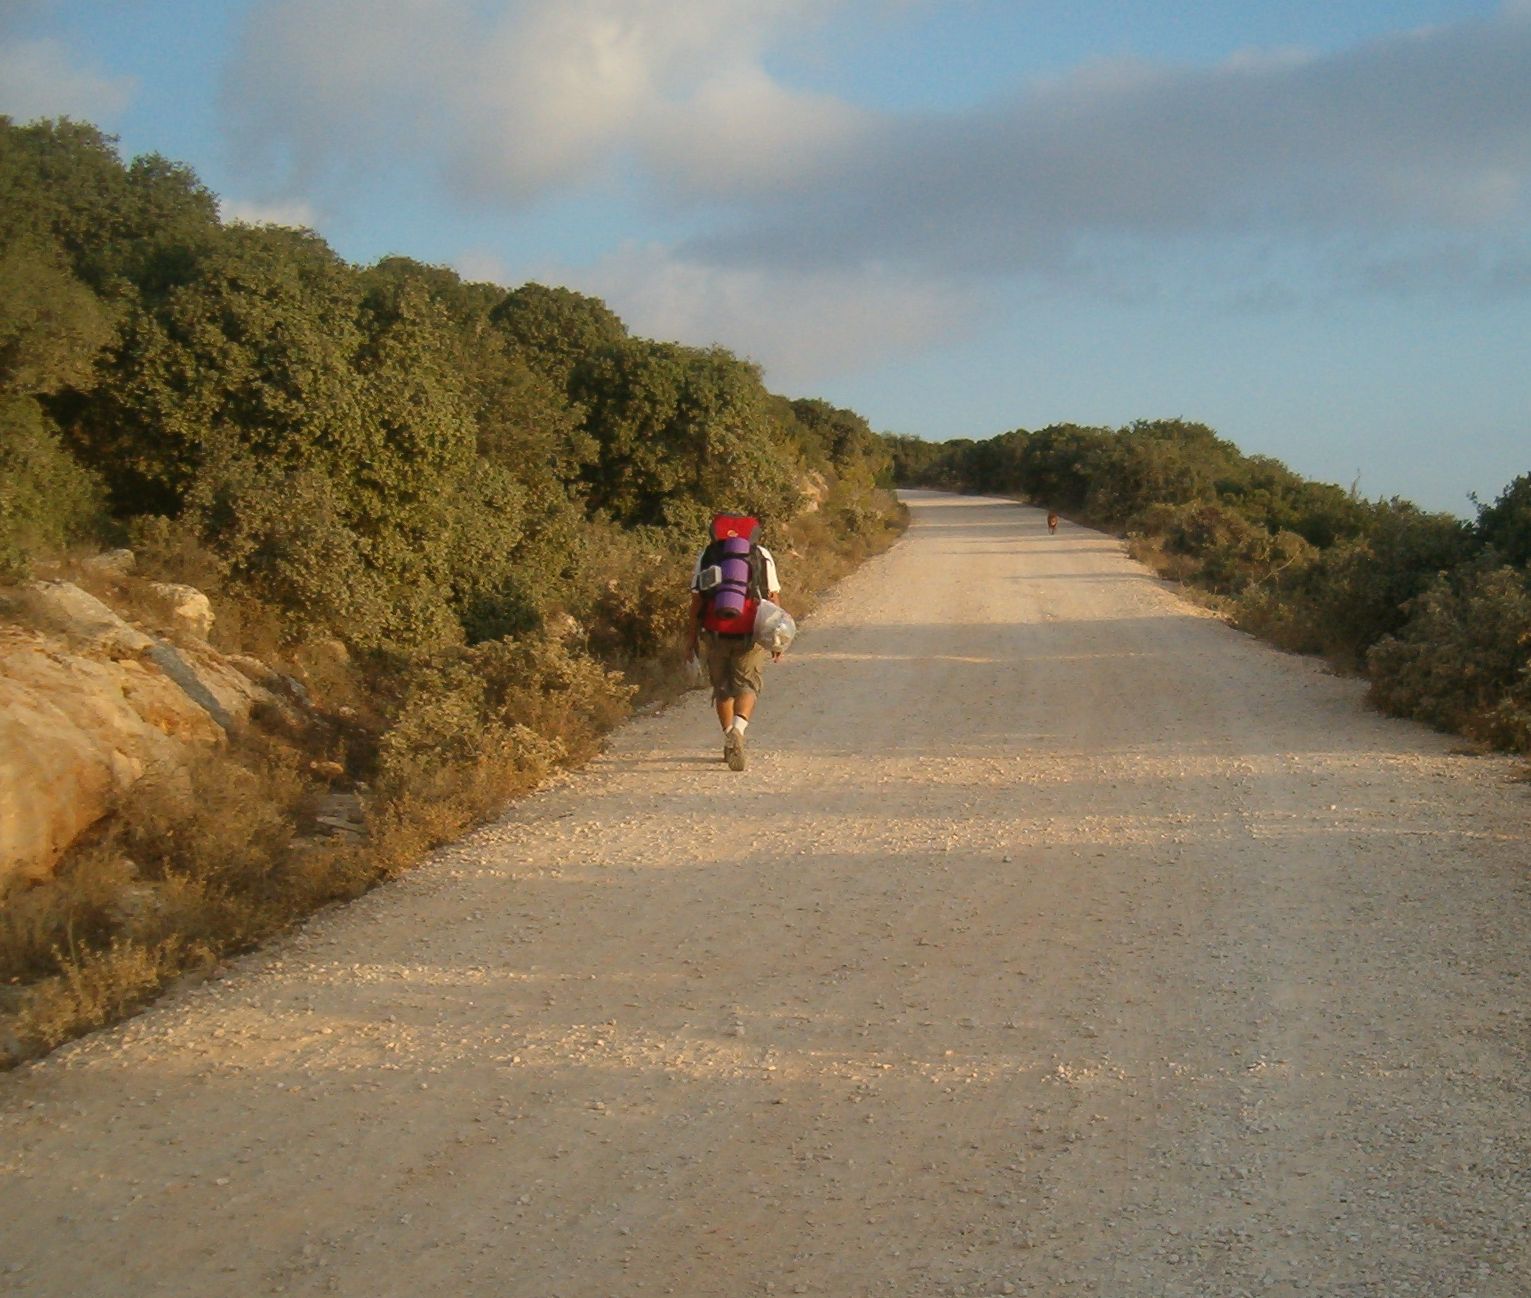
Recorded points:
(728,708)
(734,713)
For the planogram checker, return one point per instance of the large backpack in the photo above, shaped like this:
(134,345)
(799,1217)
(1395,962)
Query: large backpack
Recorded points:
(732,580)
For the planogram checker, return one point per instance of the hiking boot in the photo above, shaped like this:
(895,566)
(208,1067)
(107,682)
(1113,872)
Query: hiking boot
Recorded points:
(733,749)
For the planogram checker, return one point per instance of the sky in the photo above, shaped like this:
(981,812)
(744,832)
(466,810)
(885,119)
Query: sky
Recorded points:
(1306,223)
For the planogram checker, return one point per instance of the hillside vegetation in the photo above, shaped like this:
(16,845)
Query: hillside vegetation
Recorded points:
(458,518)
(1436,612)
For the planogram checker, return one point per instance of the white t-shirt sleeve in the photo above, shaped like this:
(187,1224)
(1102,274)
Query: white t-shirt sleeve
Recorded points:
(772,584)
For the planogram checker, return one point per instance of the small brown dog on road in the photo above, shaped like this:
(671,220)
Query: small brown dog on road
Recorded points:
(1052,521)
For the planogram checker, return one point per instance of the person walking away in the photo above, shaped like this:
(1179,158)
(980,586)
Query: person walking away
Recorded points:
(733,573)
(1052,520)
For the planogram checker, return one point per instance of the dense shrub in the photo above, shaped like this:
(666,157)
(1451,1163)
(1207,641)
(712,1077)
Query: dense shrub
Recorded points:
(1462,660)
(1359,589)
(1505,526)
(1142,467)
(479,725)
(388,455)
(47,500)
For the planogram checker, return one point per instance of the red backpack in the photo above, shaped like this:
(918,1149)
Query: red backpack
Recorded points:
(732,578)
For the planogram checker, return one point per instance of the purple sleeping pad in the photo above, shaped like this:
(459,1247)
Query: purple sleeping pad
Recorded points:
(729,599)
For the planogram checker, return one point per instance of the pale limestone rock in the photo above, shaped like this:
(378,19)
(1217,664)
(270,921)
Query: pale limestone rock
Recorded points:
(112,563)
(220,685)
(164,703)
(82,619)
(87,711)
(278,684)
(253,669)
(54,783)
(564,627)
(185,607)
(75,734)
(815,488)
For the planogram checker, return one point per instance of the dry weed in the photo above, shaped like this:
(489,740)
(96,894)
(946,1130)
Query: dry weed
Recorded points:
(95,989)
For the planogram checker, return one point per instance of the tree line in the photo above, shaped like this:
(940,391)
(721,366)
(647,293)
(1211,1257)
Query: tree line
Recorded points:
(388,454)
(1434,610)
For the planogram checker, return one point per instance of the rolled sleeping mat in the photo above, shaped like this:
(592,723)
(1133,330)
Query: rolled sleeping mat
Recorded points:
(735,586)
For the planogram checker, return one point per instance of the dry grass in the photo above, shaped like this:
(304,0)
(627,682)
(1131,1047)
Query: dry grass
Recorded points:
(92,990)
(192,867)
(1150,552)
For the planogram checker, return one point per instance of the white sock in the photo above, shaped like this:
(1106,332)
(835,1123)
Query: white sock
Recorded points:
(740,723)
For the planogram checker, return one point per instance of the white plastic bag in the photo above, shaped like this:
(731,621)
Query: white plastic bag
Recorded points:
(774,627)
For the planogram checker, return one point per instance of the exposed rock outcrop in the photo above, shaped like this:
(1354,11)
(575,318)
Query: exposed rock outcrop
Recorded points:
(186,608)
(89,703)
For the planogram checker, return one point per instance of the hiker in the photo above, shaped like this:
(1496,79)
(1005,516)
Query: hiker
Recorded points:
(1052,520)
(733,573)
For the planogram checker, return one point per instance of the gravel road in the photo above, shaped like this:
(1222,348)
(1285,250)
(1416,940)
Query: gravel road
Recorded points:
(1058,940)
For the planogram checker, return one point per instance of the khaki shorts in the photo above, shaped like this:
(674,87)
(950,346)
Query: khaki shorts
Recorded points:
(733,664)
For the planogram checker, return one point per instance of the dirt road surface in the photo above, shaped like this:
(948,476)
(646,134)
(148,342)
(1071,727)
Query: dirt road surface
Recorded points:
(1058,940)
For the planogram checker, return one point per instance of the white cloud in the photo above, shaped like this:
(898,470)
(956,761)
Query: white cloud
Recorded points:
(799,327)
(1430,131)
(39,78)
(295,213)
(743,134)
(514,100)
(323,93)
(480,266)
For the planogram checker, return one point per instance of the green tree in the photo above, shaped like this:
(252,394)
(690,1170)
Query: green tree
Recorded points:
(1506,524)
(555,329)
(841,438)
(1058,464)
(910,458)
(682,432)
(47,501)
(1462,659)
(64,183)
(438,524)
(52,330)
(251,347)
(524,420)
(1359,590)
(1142,467)
(52,327)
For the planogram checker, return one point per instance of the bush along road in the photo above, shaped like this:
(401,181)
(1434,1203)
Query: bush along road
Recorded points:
(1057,939)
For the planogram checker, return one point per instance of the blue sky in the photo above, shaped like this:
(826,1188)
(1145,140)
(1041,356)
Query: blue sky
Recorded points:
(1305,223)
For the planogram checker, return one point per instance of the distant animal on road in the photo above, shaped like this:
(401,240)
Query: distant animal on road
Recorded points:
(1052,521)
